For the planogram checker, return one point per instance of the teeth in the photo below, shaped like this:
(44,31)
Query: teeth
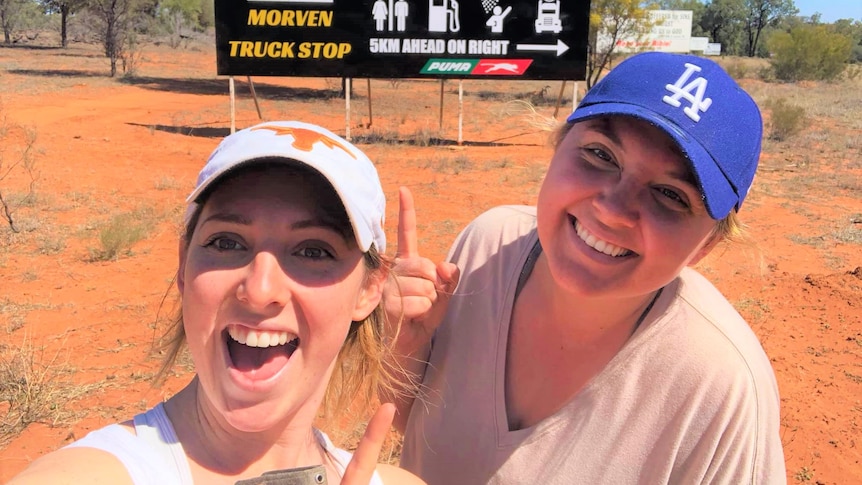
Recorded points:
(598,244)
(259,338)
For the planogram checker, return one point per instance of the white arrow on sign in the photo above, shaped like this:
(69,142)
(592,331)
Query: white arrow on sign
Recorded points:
(560,47)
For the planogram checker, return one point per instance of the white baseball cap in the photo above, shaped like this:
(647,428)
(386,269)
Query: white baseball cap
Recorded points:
(351,172)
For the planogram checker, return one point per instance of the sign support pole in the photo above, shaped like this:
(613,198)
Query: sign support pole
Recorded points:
(232,106)
(559,99)
(347,108)
(575,96)
(460,110)
(440,124)
(370,116)
(254,96)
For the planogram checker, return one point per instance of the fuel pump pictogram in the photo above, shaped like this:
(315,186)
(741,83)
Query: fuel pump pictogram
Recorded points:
(444,16)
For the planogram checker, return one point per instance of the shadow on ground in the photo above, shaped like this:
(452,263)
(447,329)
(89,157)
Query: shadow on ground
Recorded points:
(368,139)
(70,73)
(387,139)
(220,87)
(198,131)
(30,47)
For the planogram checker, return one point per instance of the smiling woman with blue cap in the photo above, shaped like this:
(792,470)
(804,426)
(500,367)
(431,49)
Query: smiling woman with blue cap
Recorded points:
(571,342)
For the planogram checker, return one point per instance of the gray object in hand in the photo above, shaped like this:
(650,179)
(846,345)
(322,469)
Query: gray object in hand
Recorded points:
(307,475)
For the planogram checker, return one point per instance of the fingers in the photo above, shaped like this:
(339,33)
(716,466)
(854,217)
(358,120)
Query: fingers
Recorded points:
(448,275)
(407,239)
(364,462)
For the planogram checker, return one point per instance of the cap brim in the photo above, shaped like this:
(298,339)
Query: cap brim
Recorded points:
(718,194)
(363,236)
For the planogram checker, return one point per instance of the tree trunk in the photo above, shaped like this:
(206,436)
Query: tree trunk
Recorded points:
(64,17)
(756,40)
(111,45)
(7,32)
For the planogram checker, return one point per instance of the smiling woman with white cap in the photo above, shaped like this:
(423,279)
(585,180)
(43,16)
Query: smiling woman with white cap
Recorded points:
(578,345)
(280,274)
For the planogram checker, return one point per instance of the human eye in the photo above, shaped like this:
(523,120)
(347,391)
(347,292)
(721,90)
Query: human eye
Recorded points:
(314,252)
(673,197)
(600,157)
(223,243)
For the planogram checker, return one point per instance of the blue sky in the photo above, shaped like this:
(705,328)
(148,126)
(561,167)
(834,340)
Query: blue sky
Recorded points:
(831,10)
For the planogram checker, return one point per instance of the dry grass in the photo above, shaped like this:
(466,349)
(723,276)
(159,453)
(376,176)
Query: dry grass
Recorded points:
(14,314)
(786,119)
(121,232)
(35,387)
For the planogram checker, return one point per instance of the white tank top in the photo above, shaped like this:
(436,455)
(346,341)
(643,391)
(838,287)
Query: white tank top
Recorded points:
(155,456)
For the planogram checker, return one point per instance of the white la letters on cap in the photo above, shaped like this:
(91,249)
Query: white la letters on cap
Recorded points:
(682,90)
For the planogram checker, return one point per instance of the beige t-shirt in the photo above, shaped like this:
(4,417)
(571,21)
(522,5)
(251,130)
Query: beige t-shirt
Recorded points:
(691,398)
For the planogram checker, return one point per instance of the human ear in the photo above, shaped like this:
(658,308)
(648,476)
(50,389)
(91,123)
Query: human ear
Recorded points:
(370,295)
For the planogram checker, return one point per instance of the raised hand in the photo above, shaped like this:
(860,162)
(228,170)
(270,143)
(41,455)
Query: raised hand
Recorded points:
(419,293)
(364,462)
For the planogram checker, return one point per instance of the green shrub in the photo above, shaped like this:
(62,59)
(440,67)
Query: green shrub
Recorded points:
(853,71)
(786,119)
(736,69)
(809,52)
(119,234)
(766,73)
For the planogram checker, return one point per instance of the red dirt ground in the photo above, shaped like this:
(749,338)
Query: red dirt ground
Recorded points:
(106,146)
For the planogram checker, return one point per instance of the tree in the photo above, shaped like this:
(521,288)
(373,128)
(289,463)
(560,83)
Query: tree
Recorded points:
(760,14)
(65,8)
(206,18)
(722,22)
(852,29)
(11,12)
(610,22)
(806,51)
(178,14)
(116,18)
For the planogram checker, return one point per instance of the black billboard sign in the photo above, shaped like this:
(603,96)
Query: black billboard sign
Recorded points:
(538,39)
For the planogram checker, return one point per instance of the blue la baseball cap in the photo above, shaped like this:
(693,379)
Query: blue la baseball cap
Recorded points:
(716,124)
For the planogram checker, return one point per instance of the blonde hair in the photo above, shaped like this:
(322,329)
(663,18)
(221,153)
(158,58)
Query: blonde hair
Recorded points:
(359,374)
(728,229)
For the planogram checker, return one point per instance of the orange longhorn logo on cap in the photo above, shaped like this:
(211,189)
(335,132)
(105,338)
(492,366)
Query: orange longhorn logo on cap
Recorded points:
(304,139)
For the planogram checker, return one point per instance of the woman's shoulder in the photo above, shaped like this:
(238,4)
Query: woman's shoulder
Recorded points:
(393,475)
(700,326)
(78,465)
(495,227)
(503,215)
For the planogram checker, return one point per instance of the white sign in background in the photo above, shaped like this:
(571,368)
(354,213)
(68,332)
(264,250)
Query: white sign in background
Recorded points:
(712,49)
(671,32)
(698,44)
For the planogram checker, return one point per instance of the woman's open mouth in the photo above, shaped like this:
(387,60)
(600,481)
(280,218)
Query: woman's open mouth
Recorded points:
(259,354)
(599,245)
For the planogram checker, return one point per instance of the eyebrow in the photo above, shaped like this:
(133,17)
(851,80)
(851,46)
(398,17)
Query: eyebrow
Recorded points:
(605,126)
(323,222)
(227,217)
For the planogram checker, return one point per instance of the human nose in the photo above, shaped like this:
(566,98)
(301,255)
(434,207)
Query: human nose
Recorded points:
(618,204)
(265,282)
